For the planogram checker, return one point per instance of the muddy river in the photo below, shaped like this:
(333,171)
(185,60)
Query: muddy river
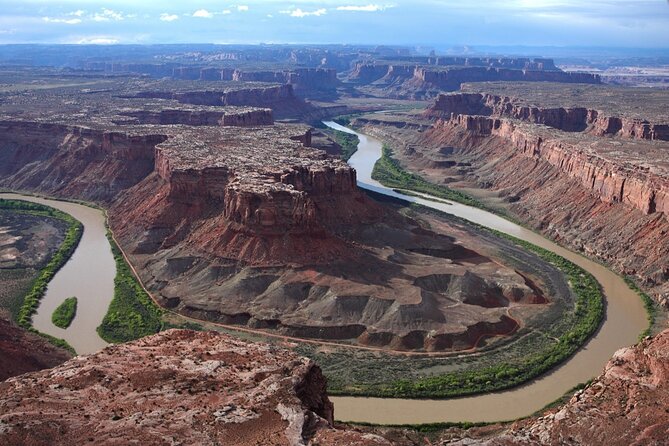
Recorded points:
(88,275)
(625,319)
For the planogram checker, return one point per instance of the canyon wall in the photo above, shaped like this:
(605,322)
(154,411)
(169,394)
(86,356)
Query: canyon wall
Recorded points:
(420,81)
(615,210)
(228,117)
(190,387)
(74,161)
(569,119)
(611,181)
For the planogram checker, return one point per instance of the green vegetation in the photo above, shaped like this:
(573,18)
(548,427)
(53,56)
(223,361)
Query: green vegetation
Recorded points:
(188,325)
(58,342)
(584,321)
(502,364)
(63,315)
(347,141)
(60,257)
(344,120)
(389,173)
(648,303)
(132,314)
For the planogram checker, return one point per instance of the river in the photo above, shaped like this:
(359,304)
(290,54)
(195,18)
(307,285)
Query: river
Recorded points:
(88,275)
(625,318)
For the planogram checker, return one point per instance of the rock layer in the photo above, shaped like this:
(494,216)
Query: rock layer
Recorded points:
(569,119)
(22,351)
(627,404)
(177,386)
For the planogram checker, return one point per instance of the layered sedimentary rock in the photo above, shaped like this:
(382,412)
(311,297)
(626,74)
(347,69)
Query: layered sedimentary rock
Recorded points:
(605,195)
(425,80)
(280,98)
(601,196)
(22,351)
(230,116)
(249,225)
(252,227)
(626,404)
(70,160)
(176,386)
(605,176)
(567,118)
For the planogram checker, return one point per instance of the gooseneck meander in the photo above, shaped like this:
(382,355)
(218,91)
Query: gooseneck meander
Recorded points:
(89,275)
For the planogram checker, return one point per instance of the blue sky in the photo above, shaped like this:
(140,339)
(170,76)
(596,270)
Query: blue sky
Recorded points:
(630,23)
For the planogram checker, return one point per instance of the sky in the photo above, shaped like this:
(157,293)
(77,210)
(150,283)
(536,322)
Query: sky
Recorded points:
(608,23)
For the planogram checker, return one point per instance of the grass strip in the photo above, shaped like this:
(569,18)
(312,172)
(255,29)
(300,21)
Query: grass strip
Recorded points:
(388,172)
(347,141)
(72,237)
(648,303)
(132,314)
(64,314)
(586,318)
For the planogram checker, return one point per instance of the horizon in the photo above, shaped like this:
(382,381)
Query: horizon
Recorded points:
(440,24)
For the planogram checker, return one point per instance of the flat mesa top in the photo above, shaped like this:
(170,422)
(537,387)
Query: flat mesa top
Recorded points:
(639,103)
(256,156)
(103,103)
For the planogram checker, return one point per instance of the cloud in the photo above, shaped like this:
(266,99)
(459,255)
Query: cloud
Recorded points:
(77,13)
(107,15)
(203,14)
(299,13)
(367,8)
(57,20)
(226,11)
(97,41)
(165,17)
(242,8)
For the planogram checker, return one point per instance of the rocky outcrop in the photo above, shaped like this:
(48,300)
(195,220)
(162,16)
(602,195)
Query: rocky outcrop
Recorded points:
(280,98)
(231,116)
(568,119)
(626,404)
(177,386)
(269,204)
(426,80)
(599,195)
(367,72)
(451,79)
(605,177)
(76,161)
(22,351)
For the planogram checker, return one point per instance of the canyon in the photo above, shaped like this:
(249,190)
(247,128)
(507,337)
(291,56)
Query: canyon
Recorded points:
(231,217)
(235,211)
(591,175)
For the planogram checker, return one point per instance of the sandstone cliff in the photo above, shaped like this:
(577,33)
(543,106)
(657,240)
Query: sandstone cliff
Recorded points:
(625,405)
(22,351)
(71,160)
(230,116)
(569,119)
(596,194)
(407,80)
(174,387)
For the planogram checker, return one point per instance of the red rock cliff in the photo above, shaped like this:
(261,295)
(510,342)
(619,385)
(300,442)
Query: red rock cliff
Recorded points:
(190,387)
(611,181)
(569,119)
(73,161)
